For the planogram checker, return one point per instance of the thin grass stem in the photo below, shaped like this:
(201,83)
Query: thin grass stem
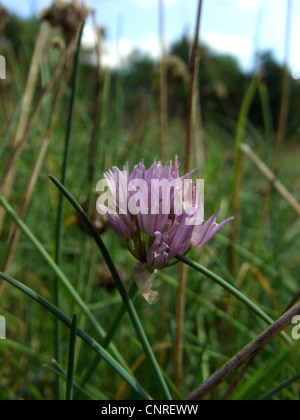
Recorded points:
(231,289)
(58,236)
(71,360)
(122,290)
(240,133)
(191,117)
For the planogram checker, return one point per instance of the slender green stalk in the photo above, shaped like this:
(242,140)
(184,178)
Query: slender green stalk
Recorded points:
(240,133)
(67,146)
(58,237)
(163,87)
(191,119)
(93,148)
(80,333)
(279,388)
(71,360)
(97,393)
(114,327)
(231,289)
(286,89)
(122,290)
(63,376)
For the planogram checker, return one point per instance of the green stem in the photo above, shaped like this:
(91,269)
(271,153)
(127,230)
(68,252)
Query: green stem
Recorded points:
(58,247)
(240,133)
(122,290)
(231,289)
(279,388)
(71,360)
(114,327)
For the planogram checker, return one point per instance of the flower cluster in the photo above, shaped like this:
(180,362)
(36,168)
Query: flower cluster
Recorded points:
(158,213)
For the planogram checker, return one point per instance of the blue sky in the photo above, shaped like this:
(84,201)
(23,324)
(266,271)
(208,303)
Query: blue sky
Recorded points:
(239,27)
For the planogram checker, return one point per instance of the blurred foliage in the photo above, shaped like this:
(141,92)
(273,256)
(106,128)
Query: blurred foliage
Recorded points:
(216,325)
(222,82)
(22,33)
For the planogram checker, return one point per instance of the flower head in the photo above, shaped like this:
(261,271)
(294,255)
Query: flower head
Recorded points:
(158,213)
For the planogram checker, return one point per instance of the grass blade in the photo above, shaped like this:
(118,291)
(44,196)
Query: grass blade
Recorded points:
(63,376)
(231,289)
(240,133)
(112,330)
(71,360)
(279,388)
(58,237)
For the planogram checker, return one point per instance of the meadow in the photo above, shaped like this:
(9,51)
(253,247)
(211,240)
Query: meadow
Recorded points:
(76,326)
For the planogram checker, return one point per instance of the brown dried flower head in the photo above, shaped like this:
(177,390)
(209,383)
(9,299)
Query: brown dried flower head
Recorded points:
(176,69)
(58,43)
(68,15)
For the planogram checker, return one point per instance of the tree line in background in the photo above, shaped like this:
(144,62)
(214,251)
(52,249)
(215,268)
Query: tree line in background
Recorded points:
(221,81)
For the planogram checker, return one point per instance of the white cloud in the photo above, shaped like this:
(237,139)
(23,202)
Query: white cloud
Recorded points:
(115,53)
(245,5)
(229,44)
(252,5)
(88,37)
(155,2)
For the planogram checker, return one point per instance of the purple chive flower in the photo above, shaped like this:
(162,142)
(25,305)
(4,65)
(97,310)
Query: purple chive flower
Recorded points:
(158,217)
(202,234)
(175,240)
(122,222)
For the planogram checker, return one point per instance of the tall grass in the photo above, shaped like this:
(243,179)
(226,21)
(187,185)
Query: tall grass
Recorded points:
(222,331)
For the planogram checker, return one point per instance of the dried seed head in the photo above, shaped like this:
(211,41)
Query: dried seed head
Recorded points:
(4,16)
(58,43)
(176,69)
(68,15)
(216,90)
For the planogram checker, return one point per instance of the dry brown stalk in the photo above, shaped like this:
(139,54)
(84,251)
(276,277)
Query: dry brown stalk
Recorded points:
(9,174)
(271,177)
(192,112)
(163,88)
(246,354)
(97,117)
(5,187)
(286,88)
(15,234)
